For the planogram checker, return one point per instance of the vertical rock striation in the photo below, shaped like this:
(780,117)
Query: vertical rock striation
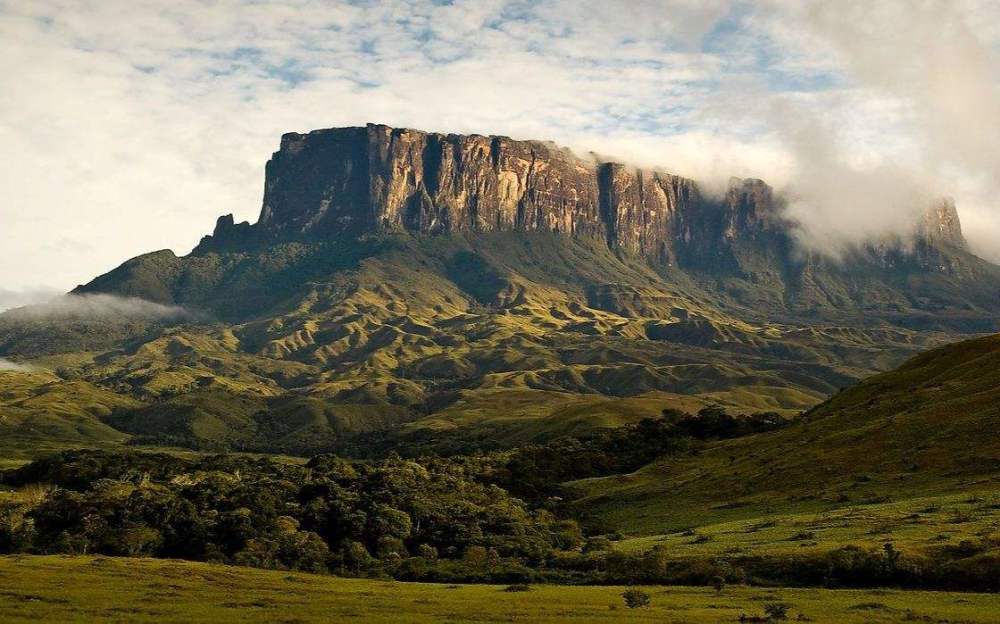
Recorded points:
(379,179)
(351,181)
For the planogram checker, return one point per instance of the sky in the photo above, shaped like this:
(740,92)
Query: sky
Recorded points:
(130,126)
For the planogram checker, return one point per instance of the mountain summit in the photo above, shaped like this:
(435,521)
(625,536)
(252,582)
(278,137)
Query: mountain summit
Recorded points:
(379,179)
(376,179)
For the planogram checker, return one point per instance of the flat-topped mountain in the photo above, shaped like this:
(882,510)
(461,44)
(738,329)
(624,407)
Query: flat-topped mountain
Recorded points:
(454,291)
(377,179)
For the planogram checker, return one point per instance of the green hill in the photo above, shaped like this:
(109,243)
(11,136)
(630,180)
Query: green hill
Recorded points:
(923,429)
(489,340)
(470,291)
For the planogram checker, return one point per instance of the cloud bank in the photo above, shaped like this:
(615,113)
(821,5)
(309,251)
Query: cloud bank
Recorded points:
(130,126)
(15,298)
(97,306)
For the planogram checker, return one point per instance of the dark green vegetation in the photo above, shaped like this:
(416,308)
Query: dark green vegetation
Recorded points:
(433,518)
(457,519)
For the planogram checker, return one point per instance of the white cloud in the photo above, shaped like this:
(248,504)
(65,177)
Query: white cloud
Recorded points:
(97,305)
(130,126)
(10,298)
(7,365)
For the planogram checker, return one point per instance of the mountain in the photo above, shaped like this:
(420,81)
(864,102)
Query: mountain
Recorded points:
(451,292)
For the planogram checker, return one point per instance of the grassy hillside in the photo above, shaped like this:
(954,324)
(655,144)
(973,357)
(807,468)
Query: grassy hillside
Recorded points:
(484,340)
(920,430)
(87,589)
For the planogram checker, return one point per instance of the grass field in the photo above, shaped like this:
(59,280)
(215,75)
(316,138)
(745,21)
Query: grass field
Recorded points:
(913,526)
(87,589)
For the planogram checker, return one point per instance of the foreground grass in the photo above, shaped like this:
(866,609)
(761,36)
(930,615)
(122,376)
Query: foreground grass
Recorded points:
(86,589)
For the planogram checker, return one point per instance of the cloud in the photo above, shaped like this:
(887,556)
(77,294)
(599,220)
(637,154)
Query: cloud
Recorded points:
(14,298)
(130,126)
(97,306)
(7,365)
(923,108)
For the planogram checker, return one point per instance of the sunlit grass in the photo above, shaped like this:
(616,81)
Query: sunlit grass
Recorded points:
(88,589)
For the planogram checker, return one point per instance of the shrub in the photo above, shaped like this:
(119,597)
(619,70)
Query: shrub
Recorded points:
(517,587)
(597,544)
(635,598)
(776,610)
(719,583)
(428,552)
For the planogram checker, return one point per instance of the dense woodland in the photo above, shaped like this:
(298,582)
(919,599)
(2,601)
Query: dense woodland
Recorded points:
(488,517)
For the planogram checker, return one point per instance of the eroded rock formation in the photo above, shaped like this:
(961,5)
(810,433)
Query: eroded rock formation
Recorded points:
(351,181)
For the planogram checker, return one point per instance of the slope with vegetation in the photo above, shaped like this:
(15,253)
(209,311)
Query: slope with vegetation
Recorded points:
(905,459)
(488,341)
(470,291)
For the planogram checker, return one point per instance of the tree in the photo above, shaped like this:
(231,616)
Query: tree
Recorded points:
(428,552)
(357,557)
(567,534)
(140,540)
(476,557)
(388,546)
(719,583)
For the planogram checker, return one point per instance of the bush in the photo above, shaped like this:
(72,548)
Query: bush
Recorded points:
(719,583)
(517,587)
(635,598)
(776,610)
(597,544)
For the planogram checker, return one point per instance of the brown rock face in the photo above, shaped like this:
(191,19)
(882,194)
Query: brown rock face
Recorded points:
(354,180)
(939,224)
(351,181)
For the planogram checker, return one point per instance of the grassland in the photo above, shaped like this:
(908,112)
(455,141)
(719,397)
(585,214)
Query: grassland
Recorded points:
(507,338)
(87,589)
(913,526)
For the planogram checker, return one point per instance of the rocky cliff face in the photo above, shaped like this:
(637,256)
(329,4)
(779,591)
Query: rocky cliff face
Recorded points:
(350,181)
(940,225)
(378,179)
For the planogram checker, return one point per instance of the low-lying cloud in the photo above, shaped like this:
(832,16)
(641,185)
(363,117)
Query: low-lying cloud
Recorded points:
(7,365)
(918,117)
(98,306)
(15,298)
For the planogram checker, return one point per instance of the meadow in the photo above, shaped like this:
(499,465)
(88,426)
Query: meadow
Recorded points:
(912,526)
(85,589)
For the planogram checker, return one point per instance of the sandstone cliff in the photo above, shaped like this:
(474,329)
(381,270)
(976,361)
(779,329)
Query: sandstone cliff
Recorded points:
(376,178)
(351,181)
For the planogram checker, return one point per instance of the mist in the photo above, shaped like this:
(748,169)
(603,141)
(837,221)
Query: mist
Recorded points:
(925,124)
(98,306)
(10,298)
(7,365)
